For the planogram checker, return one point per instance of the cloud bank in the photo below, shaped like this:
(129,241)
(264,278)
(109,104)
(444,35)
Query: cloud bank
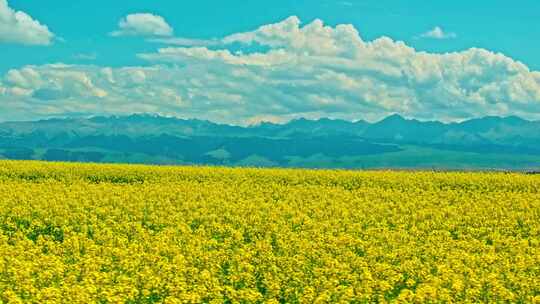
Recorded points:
(311,70)
(19,28)
(143,25)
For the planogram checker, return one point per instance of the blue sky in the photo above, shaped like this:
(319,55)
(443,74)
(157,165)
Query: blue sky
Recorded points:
(79,38)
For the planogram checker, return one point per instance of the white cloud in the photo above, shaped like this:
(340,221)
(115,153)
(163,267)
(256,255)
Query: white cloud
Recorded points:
(143,25)
(313,39)
(195,54)
(56,81)
(438,33)
(18,27)
(303,71)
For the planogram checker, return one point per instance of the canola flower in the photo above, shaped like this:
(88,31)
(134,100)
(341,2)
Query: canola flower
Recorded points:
(86,233)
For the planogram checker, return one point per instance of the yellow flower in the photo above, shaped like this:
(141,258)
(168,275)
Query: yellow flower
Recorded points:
(87,233)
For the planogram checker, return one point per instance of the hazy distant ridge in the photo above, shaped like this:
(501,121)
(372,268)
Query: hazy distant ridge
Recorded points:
(512,142)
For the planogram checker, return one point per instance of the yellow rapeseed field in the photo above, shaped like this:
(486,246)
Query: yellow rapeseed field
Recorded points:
(85,233)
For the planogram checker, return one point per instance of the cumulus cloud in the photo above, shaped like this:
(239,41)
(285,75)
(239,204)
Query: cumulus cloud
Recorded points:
(312,39)
(143,24)
(438,33)
(311,70)
(18,27)
(53,82)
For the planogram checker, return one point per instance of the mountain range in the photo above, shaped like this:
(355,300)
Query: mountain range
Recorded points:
(501,143)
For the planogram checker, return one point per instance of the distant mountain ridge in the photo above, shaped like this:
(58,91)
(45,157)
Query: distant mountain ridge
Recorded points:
(391,142)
